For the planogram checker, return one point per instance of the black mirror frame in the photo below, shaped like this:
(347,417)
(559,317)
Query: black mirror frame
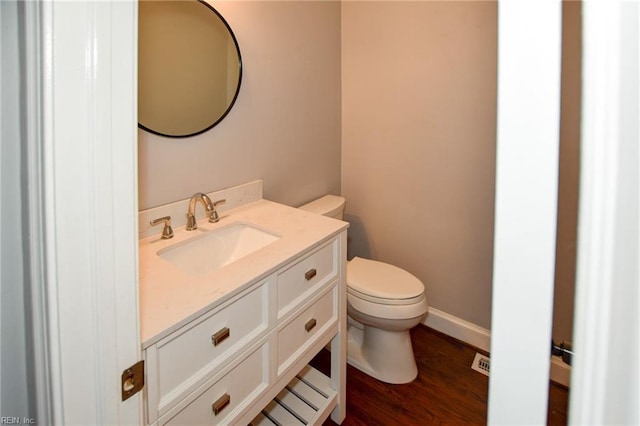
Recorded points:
(235,96)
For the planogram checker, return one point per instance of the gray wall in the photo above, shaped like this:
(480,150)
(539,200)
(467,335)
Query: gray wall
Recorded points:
(285,125)
(419,132)
(392,104)
(14,336)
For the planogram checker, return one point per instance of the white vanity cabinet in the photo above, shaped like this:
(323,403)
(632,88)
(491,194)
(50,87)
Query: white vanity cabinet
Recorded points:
(244,360)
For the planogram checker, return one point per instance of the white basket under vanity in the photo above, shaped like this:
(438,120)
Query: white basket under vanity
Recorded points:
(231,346)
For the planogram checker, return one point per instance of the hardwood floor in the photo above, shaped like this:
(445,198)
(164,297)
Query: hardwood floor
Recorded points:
(446,392)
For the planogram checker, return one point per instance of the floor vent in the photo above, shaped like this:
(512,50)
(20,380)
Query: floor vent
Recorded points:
(481,364)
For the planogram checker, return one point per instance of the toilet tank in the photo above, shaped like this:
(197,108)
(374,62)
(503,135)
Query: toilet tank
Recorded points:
(329,205)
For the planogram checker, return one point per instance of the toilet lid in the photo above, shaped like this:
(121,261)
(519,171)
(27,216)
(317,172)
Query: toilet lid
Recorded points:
(389,284)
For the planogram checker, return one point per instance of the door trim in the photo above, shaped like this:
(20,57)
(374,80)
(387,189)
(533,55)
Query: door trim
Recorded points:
(605,377)
(90,186)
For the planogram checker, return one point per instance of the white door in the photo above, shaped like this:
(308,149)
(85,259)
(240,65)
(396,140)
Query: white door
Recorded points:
(605,377)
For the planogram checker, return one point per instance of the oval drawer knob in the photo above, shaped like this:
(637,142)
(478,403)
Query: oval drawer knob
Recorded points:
(310,324)
(310,274)
(220,336)
(220,404)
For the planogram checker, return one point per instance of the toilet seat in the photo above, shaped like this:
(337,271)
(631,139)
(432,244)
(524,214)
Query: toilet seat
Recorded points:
(387,311)
(382,283)
(384,301)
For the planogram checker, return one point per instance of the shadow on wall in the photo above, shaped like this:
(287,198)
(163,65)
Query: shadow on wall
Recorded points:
(362,247)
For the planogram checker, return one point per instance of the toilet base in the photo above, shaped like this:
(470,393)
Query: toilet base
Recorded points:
(383,355)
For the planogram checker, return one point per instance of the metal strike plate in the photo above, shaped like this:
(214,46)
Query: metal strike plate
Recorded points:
(310,274)
(132,380)
(310,324)
(220,404)
(220,336)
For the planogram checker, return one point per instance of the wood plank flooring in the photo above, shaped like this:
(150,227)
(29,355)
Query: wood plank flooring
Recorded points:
(446,392)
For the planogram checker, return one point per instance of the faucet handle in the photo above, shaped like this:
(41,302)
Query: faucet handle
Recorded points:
(167,231)
(214,217)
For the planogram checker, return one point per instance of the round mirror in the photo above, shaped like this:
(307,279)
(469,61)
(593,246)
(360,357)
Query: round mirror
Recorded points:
(189,67)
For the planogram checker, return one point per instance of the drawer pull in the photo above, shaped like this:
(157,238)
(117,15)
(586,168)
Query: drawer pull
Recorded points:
(310,274)
(310,324)
(220,336)
(220,404)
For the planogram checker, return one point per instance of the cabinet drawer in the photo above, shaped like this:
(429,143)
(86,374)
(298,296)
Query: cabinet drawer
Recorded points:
(223,400)
(185,359)
(306,277)
(303,331)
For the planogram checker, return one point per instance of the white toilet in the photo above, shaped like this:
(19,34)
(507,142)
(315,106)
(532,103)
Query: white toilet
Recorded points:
(383,303)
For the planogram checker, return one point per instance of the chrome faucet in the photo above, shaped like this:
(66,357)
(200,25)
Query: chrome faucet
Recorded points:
(209,206)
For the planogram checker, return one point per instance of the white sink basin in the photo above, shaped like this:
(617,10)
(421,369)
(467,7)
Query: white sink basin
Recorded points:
(217,248)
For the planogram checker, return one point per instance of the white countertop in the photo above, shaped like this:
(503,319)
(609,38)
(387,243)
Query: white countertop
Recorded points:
(170,298)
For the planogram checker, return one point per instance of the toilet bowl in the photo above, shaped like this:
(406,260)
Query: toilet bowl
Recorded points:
(383,303)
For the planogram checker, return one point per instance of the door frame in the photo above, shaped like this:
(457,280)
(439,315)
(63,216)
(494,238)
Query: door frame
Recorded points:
(87,54)
(90,190)
(605,377)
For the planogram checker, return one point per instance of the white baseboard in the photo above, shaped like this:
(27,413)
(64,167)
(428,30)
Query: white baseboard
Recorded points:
(480,338)
(458,328)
